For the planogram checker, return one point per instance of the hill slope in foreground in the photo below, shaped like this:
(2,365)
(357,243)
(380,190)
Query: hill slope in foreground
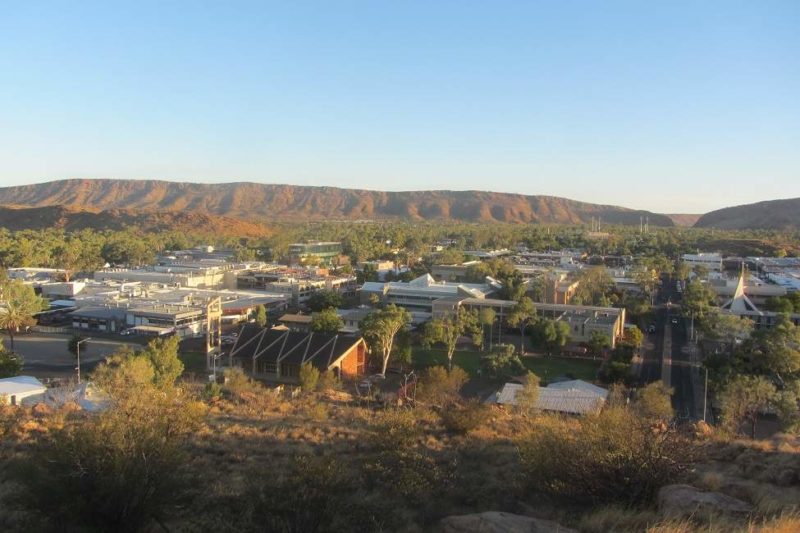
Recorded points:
(265,201)
(72,219)
(772,214)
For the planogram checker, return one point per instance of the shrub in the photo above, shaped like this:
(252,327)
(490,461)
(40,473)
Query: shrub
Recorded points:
(654,402)
(239,386)
(439,387)
(309,376)
(118,470)
(328,381)
(395,429)
(414,476)
(212,390)
(309,497)
(610,457)
(463,418)
(10,363)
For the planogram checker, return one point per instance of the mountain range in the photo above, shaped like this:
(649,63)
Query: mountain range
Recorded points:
(262,202)
(244,207)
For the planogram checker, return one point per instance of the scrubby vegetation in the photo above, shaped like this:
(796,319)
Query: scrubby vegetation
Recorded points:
(183,455)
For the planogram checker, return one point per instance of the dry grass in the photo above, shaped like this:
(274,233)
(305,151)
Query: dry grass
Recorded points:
(254,433)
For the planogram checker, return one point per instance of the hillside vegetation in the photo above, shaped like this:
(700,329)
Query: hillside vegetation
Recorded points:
(76,219)
(265,201)
(773,214)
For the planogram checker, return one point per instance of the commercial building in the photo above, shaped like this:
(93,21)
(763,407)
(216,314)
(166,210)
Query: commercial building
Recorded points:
(559,289)
(582,320)
(210,278)
(711,261)
(297,284)
(323,252)
(420,294)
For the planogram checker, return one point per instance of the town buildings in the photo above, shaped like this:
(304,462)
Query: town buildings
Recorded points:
(322,252)
(277,354)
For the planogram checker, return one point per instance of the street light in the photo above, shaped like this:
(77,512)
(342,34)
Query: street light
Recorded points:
(78,355)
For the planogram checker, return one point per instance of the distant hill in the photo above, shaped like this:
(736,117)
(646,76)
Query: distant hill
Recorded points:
(292,202)
(772,214)
(17,218)
(684,220)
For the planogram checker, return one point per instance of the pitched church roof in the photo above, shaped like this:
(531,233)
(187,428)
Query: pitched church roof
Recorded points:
(740,303)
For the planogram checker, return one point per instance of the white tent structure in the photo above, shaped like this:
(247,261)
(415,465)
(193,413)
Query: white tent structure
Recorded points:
(569,397)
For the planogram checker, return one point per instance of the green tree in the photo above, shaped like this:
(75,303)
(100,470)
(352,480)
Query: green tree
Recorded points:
(598,342)
(326,321)
(324,299)
(633,337)
(261,315)
(449,329)
(521,316)
(380,328)
(727,330)
(502,362)
(21,303)
(743,399)
(779,347)
(595,284)
(163,356)
(72,344)
(554,334)
(698,300)
(487,317)
(527,399)
(654,402)
(10,363)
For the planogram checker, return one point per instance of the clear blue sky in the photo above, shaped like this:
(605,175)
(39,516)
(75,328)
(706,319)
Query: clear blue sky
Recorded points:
(671,106)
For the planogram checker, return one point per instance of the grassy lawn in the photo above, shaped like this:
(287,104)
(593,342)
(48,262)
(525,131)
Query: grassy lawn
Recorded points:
(544,367)
(550,367)
(469,361)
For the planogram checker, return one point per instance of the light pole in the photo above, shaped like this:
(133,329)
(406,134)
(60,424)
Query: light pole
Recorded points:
(705,394)
(78,355)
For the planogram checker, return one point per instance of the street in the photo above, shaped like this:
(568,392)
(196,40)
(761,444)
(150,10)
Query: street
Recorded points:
(668,354)
(46,355)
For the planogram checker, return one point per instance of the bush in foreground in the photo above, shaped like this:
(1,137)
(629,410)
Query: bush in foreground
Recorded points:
(610,457)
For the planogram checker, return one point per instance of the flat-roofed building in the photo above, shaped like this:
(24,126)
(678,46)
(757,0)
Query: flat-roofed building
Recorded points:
(326,252)
(711,261)
(186,321)
(420,294)
(582,320)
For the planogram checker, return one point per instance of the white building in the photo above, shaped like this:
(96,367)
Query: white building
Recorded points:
(21,390)
(711,261)
(575,397)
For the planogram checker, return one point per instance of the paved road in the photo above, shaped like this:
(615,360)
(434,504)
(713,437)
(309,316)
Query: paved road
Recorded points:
(684,376)
(668,354)
(47,355)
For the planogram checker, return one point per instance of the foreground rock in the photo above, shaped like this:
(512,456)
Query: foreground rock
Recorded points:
(496,522)
(684,500)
